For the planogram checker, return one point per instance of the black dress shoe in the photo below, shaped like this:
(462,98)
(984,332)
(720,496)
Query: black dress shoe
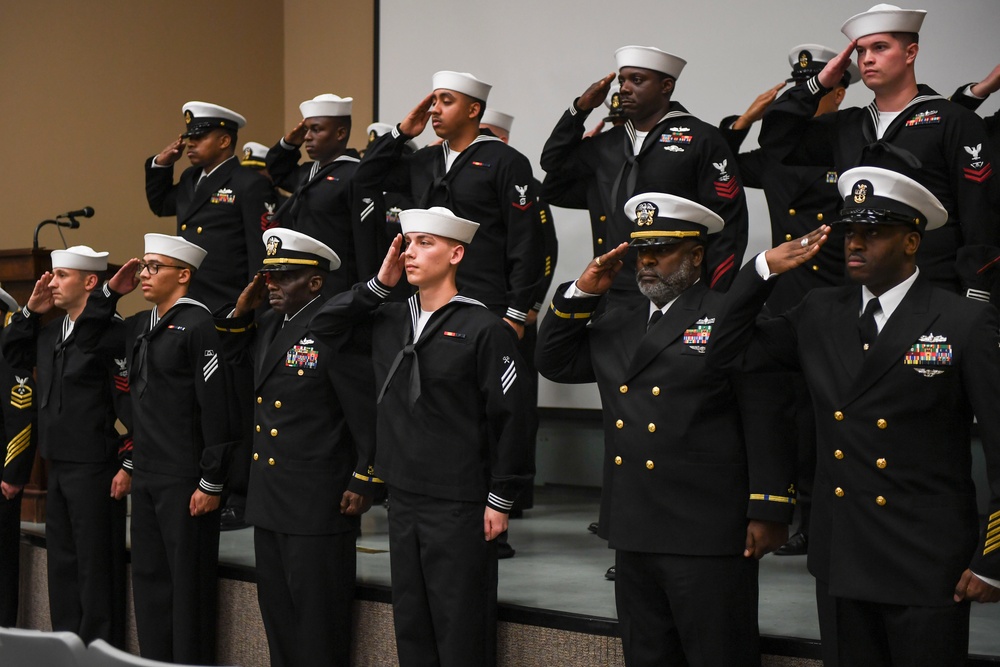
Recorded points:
(593,527)
(232,518)
(610,574)
(797,545)
(504,550)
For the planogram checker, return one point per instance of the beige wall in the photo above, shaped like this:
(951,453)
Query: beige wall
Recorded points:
(88,90)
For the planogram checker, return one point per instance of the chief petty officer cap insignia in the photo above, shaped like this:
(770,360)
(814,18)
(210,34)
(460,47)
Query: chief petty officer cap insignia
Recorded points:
(175,247)
(662,219)
(883,18)
(326,104)
(288,250)
(200,117)
(808,60)
(880,196)
(438,221)
(648,57)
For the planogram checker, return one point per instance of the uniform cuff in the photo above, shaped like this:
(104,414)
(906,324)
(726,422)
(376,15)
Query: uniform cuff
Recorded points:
(499,504)
(378,289)
(516,315)
(210,488)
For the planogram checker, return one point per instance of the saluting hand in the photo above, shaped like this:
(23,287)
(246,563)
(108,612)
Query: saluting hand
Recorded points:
(796,252)
(834,70)
(756,110)
(297,134)
(40,301)
(392,266)
(416,120)
(252,296)
(171,153)
(601,272)
(595,95)
(126,279)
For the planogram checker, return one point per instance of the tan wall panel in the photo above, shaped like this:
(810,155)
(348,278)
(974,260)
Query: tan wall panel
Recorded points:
(90,89)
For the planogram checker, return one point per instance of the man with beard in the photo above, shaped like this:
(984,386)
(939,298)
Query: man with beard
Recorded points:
(661,148)
(679,483)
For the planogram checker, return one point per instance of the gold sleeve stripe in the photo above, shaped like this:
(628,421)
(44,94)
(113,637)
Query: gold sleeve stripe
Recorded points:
(366,478)
(993,540)
(18,444)
(993,524)
(995,516)
(774,499)
(991,533)
(232,329)
(569,316)
(992,548)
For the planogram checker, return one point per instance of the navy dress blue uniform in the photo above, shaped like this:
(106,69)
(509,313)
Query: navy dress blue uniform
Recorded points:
(225,214)
(314,438)
(452,434)
(81,395)
(182,441)
(18,409)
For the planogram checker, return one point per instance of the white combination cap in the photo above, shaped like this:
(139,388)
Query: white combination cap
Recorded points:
(880,196)
(176,247)
(254,154)
(438,221)
(461,82)
(326,104)
(808,60)
(648,57)
(287,250)
(80,257)
(662,219)
(883,18)
(200,117)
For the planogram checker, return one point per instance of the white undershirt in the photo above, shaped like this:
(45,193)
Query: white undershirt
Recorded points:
(449,160)
(885,119)
(640,137)
(421,323)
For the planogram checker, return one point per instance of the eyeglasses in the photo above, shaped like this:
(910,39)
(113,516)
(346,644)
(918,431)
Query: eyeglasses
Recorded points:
(154,268)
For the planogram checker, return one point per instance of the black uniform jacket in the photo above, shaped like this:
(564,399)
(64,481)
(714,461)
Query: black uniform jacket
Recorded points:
(452,422)
(681,156)
(938,143)
(321,207)
(314,419)
(180,394)
(567,191)
(81,394)
(678,478)
(894,515)
(17,412)
(490,183)
(225,215)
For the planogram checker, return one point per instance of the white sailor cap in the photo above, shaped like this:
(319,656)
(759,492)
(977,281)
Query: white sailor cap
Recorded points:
(254,154)
(880,196)
(648,57)
(7,302)
(326,104)
(883,18)
(498,119)
(200,117)
(175,247)
(287,250)
(808,60)
(461,82)
(438,221)
(662,219)
(80,257)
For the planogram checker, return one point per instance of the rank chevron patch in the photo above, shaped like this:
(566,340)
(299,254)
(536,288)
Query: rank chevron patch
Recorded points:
(728,190)
(978,175)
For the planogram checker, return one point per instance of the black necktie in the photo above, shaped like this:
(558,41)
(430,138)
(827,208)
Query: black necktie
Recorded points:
(866,324)
(653,319)
(414,389)
(140,372)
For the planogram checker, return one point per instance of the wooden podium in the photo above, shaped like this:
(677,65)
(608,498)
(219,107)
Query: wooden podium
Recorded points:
(19,269)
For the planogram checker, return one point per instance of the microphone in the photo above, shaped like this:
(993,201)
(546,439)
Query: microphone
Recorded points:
(85,212)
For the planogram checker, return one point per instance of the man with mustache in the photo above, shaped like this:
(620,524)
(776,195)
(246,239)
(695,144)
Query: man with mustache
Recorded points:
(679,483)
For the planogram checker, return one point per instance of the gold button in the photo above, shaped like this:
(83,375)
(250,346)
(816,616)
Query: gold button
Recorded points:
(623,389)
(788,237)
(881,463)
(880,501)
(258,428)
(865,347)
(270,462)
(277,404)
(260,399)
(837,454)
(819,216)
(301,372)
(791,211)
(649,465)
(839,492)
(815,268)
(603,218)
(184,228)
(256,456)
(881,423)
(652,427)
(656,391)
(274,432)
(600,241)
(620,424)
(618,460)
(838,415)
(199,230)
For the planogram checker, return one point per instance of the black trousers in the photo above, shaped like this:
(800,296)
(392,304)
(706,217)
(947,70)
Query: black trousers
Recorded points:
(305,588)
(175,560)
(85,543)
(10,558)
(695,611)
(858,633)
(444,582)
